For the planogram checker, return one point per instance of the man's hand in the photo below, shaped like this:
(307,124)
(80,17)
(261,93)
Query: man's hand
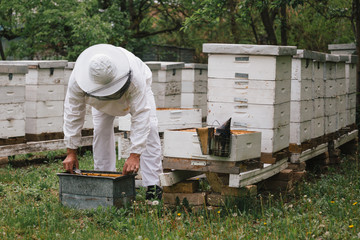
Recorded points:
(71,160)
(132,164)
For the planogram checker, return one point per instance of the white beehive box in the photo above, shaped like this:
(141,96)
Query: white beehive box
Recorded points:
(351,116)
(67,73)
(242,61)
(342,101)
(330,88)
(249,115)
(330,106)
(189,100)
(300,132)
(317,127)
(351,101)
(44,93)
(194,78)
(319,107)
(165,71)
(331,124)
(252,92)
(342,120)
(330,66)
(44,125)
(166,88)
(319,75)
(170,101)
(244,145)
(350,74)
(12,100)
(175,118)
(301,111)
(42,109)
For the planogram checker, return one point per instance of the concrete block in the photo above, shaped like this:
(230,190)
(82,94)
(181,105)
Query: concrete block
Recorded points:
(10,111)
(44,109)
(317,127)
(12,94)
(248,49)
(301,111)
(319,107)
(248,91)
(249,115)
(12,128)
(44,125)
(229,66)
(44,93)
(300,132)
(243,145)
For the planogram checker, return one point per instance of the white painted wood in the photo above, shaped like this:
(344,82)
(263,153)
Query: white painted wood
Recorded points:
(249,115)
(169,71)
(10,111)
(193,99)
(301,90)
(302,69)
(351,116)
(227,66)
(330,106)
(319,107)
(170,101)
(331,124)
(250,91)
(351,101)
(6,68)
(45,76)
(169,119)
(194,87)
(38,63)
(171,178)
(301,111)
(317,127)
(17,79)
(12,94)
(42,109)
(166,88)
(243,146)
(44,92)
(319,71)
(318,88)
(300,132)
(309,153)
(345,138)
(350,78)
(44,125)
(194,72)
(254,176)
(330,88)
(12,128)
(248,49)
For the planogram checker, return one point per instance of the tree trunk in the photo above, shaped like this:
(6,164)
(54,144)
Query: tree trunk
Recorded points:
(283,26)
(233,25)
(3,57)
(268,24)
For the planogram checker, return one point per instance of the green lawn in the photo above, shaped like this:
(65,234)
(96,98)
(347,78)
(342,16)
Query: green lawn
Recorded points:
(322,207)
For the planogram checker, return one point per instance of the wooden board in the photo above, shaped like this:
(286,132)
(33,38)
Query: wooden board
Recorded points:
(201,165)
(171,178)
(308,154)
(345,138)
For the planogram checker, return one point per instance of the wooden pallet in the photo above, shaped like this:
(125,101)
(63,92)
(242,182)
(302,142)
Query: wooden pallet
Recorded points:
(271,158)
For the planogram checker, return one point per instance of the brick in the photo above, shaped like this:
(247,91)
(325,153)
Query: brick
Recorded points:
(299,175)
(4,160)
(250,190)
(278,185)
(297,166)
(284,175)
(190,186)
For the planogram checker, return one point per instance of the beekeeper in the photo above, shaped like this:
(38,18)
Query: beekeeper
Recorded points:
(114,82)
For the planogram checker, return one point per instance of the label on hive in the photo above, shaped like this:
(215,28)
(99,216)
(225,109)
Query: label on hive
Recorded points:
(253,92)
(243,145)
(228,66)
(246,115)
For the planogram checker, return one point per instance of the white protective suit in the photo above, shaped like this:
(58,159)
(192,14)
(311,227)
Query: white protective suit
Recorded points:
(139,101)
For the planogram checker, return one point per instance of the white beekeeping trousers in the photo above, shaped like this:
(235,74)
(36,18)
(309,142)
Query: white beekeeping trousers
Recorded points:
(104,146)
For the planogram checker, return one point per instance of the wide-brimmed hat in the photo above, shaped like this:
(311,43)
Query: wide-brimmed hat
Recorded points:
(102,70)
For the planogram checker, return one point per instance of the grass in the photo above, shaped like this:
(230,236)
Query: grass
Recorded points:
(322,207)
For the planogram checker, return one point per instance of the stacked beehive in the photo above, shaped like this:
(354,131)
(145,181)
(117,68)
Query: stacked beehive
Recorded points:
(194,87)
(44,100)
(166,83)
(350,82)
(251,84)
(12,101)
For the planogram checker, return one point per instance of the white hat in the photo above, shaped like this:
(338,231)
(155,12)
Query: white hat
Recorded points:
(102,70)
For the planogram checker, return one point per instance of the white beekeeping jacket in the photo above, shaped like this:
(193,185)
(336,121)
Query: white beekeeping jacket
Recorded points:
(134,101)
